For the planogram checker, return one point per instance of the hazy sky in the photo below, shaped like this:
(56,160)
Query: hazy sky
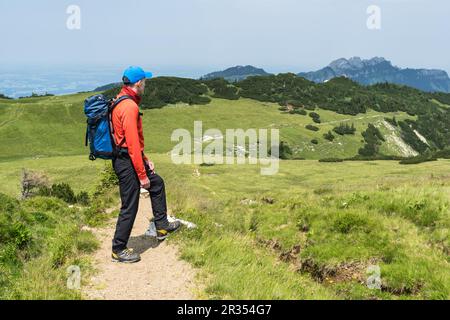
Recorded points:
(196,36)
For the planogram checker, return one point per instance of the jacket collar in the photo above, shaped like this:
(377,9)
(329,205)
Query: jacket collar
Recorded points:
(130,92)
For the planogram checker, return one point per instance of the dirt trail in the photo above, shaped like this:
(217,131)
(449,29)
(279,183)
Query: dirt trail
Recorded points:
(349,119)
(159,275)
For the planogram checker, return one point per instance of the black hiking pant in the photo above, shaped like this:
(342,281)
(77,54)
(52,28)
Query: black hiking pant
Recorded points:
(129,186)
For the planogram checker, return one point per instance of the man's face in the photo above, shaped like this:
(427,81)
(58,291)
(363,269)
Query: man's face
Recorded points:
(141,87)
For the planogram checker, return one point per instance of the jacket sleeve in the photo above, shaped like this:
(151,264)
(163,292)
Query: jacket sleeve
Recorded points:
(129,123)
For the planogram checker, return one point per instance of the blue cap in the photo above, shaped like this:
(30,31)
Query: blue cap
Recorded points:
(134,74)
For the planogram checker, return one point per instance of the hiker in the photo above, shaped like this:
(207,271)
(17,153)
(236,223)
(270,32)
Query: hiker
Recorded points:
(134,169)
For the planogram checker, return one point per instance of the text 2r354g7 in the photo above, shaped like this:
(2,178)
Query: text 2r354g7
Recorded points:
(244,309)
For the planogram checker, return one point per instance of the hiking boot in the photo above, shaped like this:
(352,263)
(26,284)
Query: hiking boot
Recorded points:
(126,256)
(163,233)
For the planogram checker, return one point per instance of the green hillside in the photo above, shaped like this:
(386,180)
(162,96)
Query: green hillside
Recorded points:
(425,131)
(30,126)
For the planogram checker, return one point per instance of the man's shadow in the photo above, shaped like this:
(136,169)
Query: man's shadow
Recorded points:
(142,243)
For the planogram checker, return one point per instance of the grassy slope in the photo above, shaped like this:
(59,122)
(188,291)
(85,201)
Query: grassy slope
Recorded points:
(29,126)
(41,237)
(356,214)
(400,213)
(344,216)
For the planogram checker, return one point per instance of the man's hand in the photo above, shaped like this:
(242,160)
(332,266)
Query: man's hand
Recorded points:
(145,184)
(150,165)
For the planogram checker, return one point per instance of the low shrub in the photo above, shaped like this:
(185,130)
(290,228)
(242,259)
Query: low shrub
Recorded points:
(298,111)
(343,129)
(83,198)
(392,121)
(418,159)
(312,128)
(64,192)
(331,160)
(329,136)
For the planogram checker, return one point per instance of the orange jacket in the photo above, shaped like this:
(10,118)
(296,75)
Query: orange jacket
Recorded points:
(128,132)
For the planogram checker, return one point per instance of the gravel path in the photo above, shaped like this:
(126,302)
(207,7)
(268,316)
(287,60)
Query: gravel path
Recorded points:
(160,275)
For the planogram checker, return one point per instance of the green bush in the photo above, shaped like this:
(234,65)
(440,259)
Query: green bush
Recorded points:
(83,198)
(314,115)
(45,191)
(373,138)
(64,192)
(343,129)
(445,154)
(329,136)
(410,137)
(295,103)
(392,121)
(298,111)
(312,128)
(418,159)
(310,108)
(285,151)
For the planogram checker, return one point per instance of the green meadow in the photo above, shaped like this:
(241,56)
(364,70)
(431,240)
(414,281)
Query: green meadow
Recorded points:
(309,232)
(55,126)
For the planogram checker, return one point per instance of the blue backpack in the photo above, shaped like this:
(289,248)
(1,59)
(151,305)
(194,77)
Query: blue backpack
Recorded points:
(100,132)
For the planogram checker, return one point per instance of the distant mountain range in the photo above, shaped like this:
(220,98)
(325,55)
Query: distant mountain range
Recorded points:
(232,74)
(366,72)
(237,73)
(378,70)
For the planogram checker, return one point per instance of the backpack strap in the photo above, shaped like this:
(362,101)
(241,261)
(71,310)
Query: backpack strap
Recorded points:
(115,103)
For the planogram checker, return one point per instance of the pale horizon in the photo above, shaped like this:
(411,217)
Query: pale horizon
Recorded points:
(190,38)
(200,35)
